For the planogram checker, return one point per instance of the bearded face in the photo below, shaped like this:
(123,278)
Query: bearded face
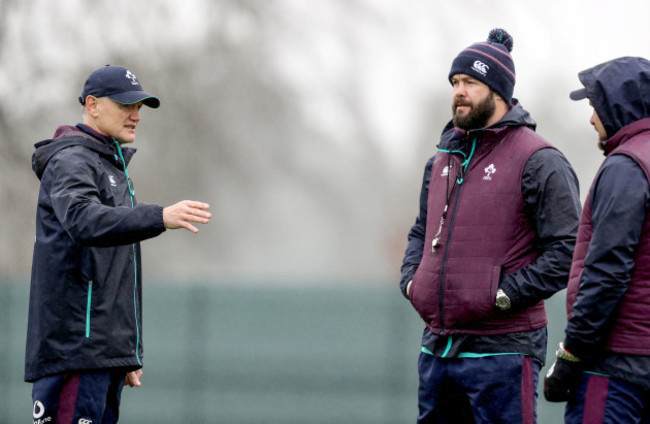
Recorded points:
(471,115)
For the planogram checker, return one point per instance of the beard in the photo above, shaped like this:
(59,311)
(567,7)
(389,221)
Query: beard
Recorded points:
(479,114)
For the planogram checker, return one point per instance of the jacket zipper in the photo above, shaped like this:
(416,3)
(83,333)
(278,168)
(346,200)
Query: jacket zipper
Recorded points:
(464,166)
(135,306)
(135,261)
(444,261)
(88,307)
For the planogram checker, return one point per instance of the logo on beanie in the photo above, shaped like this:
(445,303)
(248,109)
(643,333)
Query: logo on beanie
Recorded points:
(480,67)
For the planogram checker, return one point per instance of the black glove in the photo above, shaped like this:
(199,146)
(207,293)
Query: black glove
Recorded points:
(562,377)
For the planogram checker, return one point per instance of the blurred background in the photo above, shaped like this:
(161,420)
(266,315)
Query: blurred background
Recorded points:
(306,126)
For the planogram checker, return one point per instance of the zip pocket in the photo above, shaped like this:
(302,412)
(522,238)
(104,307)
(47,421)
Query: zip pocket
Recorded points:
(90,295)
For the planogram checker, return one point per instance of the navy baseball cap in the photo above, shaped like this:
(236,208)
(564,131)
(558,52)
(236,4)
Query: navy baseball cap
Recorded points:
(119,84)
(578,94)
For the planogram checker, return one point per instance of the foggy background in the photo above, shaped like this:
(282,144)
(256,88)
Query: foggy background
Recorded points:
(304,124)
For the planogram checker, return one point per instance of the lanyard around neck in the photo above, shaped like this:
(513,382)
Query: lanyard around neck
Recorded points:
(460,177)
(465,164)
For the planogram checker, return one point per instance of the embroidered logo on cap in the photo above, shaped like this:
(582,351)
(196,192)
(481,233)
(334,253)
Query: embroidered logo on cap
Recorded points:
(130,75)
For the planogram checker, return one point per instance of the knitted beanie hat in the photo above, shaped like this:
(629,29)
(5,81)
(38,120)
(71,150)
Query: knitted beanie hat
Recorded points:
(489,62)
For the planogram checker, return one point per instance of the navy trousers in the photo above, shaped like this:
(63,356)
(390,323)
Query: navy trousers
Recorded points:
(78,397)
(604,400)
(491,389)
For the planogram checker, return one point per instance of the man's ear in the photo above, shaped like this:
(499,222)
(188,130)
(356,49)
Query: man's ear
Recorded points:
(91,106)
(498,96)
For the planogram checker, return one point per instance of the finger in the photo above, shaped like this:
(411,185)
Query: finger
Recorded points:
(135,379)
(199,219)
(127,381)
(198,213)
(197,205)
(190,227)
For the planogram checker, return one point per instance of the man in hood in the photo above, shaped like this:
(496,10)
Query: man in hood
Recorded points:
(84,332)
(603,364)
(499,209)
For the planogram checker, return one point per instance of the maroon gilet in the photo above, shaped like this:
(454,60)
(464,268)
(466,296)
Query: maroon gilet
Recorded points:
(630,333)
(486,235)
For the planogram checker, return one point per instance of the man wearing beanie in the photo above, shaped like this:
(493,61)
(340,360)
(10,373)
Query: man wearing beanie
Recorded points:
(84,332)
(602,367)
(497,222)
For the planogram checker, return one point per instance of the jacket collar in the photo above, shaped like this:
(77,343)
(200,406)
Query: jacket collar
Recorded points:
(624,134)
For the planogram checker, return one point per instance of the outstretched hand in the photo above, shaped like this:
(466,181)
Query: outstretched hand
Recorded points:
(181,214)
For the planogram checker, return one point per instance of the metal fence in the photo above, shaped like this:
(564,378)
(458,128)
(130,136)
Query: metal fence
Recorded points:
(251,354)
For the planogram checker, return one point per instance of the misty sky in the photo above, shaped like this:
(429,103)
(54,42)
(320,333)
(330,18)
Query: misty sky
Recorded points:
(361,72)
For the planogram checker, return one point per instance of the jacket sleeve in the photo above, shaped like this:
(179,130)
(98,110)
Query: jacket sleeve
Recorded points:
(620,202)
(75,196)
(415,246)
(552,201)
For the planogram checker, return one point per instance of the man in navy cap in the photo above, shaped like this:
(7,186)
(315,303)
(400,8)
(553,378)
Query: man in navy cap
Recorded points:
(603,364)
(84,333)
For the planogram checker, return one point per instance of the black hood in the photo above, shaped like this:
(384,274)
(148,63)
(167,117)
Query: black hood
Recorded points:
(619,91)
(68,136)
(517,116)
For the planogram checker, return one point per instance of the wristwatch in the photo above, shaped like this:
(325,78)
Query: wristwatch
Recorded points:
(503,301)
(562,353)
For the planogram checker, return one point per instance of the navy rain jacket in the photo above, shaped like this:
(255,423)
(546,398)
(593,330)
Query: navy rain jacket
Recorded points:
(620,195)
(86,293)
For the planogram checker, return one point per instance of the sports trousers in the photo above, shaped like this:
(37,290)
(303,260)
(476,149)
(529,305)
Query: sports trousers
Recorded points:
(490,389)
(78,397)
(604,400)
